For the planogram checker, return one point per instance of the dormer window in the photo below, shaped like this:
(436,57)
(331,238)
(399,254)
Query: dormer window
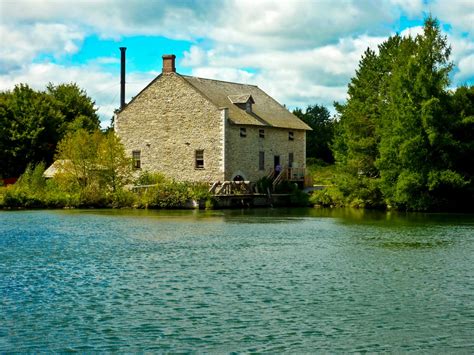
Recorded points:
(243,101)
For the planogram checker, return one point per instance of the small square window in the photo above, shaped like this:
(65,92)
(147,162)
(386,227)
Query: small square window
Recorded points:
(136,159)
(243,132)
(261,133)
(291,137)
(199,157)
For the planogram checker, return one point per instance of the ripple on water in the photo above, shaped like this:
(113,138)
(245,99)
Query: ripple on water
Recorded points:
(235,282)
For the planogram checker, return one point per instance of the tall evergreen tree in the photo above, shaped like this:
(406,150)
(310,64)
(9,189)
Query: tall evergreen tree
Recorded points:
(415,159)
(400,134)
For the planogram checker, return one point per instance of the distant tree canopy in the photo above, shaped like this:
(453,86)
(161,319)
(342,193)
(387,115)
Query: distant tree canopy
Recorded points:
(403,139)
(33,122)
(318,141)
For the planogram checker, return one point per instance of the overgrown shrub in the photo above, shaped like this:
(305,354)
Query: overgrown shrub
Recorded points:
(122,198)
(328,197)
(264,184)
(149,178)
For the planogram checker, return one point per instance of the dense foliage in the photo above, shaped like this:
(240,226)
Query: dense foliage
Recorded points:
(33,122)
(404,140)
(318,141)
(92,170)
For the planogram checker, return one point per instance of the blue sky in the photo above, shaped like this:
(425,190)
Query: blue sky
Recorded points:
(301,52)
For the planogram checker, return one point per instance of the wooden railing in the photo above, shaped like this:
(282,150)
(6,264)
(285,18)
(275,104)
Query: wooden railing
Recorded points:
(232,188)
(289,174)
(296,174)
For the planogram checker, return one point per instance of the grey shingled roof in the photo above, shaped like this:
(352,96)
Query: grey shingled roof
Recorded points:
(265,111)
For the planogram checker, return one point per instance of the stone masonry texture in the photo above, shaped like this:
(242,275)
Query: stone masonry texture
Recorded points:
(170,120)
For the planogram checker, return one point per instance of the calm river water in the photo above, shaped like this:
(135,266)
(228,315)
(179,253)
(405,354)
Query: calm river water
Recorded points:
(236,281)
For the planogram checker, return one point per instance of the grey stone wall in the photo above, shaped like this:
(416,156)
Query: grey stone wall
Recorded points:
(168,122)
(242,153)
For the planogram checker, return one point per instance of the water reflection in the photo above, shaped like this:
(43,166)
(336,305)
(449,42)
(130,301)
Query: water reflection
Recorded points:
(235,281)
(409,244)
(275,215)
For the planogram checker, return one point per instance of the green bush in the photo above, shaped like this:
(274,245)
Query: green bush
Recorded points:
(93,196)
(2,196)
(329,197)
(122,198)
(170,195)
(209,204)
(264,184)
(299,198)
(148,178)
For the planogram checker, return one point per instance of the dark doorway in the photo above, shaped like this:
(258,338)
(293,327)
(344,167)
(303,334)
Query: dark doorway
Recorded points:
(276,165)
(276,161)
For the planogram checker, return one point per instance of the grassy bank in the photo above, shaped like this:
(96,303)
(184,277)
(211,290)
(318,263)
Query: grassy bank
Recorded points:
(34,191)
(152,191)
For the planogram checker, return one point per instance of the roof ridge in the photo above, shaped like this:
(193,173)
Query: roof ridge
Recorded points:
(222,81)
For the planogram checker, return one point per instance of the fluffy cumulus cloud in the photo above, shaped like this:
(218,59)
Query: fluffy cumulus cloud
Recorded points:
(23,43)
(301,52)
(102,86)
(458,13)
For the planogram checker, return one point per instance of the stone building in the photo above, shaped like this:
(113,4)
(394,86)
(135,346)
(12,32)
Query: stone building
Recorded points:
(194,129)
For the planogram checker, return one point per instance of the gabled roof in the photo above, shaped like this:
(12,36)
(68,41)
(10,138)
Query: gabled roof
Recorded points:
(241,99)
(265,110)
(58,166)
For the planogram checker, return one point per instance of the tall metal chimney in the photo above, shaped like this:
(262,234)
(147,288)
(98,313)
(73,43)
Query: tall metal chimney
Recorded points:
(122,77)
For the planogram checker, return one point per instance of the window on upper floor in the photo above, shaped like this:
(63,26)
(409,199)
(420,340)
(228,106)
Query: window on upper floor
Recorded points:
(243,132)
(291,136)
(136,158)
(261,160)
(261,133)
(199,159)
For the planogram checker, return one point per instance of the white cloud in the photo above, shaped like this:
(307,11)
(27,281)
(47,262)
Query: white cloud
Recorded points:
(296,78)
(194,57)
(412,31)
(411,7)
(458,13)
(22,44)
(465,70)
(268,23)
(301,52)
(223,73)
(103,87)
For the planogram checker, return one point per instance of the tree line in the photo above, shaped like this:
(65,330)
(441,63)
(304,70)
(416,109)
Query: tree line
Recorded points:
(403,139)
(32,122)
